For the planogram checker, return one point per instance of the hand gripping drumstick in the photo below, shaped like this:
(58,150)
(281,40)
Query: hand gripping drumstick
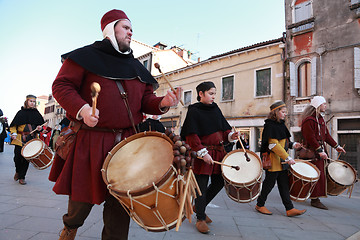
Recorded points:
(95,89)
(246,156)
(157,65)
(40,126)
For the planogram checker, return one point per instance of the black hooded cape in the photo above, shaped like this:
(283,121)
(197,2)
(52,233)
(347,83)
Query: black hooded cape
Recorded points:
(102,59)
(27,116)
(274,130)
(204,119)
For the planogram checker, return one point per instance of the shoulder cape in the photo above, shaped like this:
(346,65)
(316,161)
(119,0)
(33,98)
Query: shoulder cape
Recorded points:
(203,119)
(274,130)
(27,116)
(102,59)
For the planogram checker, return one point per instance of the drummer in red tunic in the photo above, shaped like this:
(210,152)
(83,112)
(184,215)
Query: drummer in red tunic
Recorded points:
(205,130)
(315,135)
(104,62)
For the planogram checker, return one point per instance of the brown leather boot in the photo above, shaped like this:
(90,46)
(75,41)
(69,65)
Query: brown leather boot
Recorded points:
(68,234)
(207,219)
(202,227)
(16,176)
(316,203)
(295,212)
(263,210)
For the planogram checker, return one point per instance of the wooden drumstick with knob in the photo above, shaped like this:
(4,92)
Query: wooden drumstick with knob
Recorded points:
(157,65)
(246,156)
(237,168)
(95,89)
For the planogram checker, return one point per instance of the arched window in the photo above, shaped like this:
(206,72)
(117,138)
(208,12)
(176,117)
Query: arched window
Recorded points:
(304,79)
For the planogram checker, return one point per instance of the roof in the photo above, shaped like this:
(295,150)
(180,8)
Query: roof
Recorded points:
(249,47)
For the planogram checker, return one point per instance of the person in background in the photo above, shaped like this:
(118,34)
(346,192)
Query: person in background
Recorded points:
(3,131)
(276,140)
(111,64)
(205,129)
(26,125)
(152,123)
(315,135)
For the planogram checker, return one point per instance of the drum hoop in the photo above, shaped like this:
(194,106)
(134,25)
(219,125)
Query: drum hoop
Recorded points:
(37,153)
(302,177)
(109,156)
(246,183)
(347,164)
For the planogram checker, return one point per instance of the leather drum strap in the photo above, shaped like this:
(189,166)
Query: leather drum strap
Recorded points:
(124,97)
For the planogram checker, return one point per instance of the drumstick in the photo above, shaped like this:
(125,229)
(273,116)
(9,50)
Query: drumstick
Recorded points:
(298,160)
(35,129)
(226,165)
(182,201)
(340,152)
(95,89)
(246,156)
(157,65)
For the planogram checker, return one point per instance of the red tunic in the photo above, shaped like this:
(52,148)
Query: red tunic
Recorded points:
(312,140)
(197,143)
(80,175)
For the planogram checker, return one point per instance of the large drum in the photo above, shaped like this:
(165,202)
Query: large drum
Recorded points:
(139,173)
(340,175)
(242,185)
(38,153)
(303,177)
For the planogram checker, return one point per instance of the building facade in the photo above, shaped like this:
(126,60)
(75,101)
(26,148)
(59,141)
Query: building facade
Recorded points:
(323,58)
(248,81)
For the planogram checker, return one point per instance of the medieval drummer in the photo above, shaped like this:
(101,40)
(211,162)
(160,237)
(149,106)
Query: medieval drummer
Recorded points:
(315,134)
(25,126)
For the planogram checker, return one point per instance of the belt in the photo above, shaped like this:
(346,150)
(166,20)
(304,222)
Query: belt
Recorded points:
(215,147)
(85,127)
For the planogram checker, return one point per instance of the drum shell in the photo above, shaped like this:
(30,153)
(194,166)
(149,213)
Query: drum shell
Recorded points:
(333,187)
(40,159)
(300,186)
(243,192)
(158,200)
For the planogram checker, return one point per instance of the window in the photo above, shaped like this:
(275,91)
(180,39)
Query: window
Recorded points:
(146,64)
(304,79)
(187,97)
(302,17)
(263,82)
(227,88)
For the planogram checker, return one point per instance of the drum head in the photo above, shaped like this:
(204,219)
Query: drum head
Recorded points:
(305,169)
(32,148)
(139,161)
(341,172)
(249,171)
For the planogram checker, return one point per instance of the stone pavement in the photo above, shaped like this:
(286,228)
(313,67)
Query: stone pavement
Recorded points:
(34,212)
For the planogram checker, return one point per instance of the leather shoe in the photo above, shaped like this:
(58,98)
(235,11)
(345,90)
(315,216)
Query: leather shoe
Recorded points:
(68,234)
(295,212)
(202,227)
(207,219)
(16,176)
(22,181)
(263,210)
(316,203)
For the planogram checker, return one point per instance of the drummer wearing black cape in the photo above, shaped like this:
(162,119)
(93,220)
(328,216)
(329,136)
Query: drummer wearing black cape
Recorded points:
(205,129)
(276,141)
(22,126)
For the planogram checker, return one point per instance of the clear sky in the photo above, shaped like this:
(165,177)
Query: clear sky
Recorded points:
(35,33)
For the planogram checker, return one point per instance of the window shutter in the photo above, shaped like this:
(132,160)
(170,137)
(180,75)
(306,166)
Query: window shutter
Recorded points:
(313,76)
(292,79)
(357,68)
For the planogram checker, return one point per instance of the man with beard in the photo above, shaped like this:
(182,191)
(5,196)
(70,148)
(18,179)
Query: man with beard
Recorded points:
(111,64)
